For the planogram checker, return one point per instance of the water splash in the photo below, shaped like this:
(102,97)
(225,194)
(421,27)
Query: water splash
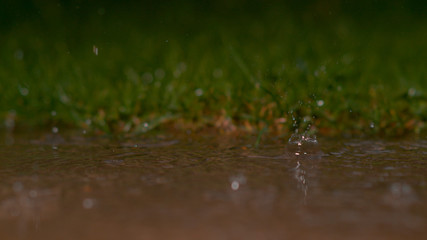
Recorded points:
(302,139)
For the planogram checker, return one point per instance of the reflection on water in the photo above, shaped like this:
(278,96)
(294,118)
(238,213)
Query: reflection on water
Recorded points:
(200,187)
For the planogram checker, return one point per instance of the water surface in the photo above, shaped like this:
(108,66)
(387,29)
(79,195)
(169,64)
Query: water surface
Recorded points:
(211,187)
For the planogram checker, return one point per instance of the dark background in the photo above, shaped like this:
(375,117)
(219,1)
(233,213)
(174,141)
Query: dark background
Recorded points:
(51,13)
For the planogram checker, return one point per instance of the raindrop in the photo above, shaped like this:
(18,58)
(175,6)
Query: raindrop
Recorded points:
(88,203)
(55,130)
(9,121)
(400,189)
(147,78)
(24,91)
(235,185)
(412,92)
(401,195)
(64,98)
(33,193)
(95,50)
(177,73)
(320,103)
(372,125)
(159,73)
(199,92)
(53,113)
(237,181)
(217,73)
(132,75)
(180,68)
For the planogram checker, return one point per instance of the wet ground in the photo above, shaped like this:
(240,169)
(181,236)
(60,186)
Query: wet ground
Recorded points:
(210,187)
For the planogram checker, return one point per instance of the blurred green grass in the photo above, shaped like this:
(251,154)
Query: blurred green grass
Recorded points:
(249,70)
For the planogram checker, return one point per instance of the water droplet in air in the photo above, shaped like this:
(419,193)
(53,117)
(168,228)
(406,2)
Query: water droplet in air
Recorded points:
(235,185)
(24,91)
(237,181)
(180,68)
(53,113)
(159,73)
(55,130)
(33,193)
(320,103)
(412,92)
(95,50)
(217,73)
(147,78)
(372,125)
(88,203)
(199,92)
(9,121)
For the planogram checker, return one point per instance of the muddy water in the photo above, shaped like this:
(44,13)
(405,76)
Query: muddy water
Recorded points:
(205,187)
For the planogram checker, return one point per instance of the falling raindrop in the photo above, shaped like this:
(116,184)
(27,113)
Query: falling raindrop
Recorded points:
(217,73)
(9,121)
(412,92)
(24,91)
(88,203)
(159,73)
(33,193)
(147,78)
(237,181)
(235,185)
(95,50)
(55,130)
(180,68)
(199,92)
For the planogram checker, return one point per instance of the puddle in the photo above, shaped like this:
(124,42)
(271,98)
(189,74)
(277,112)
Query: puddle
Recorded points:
(202,187)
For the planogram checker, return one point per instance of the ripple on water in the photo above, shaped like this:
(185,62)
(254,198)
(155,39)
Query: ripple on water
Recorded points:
(222,183)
